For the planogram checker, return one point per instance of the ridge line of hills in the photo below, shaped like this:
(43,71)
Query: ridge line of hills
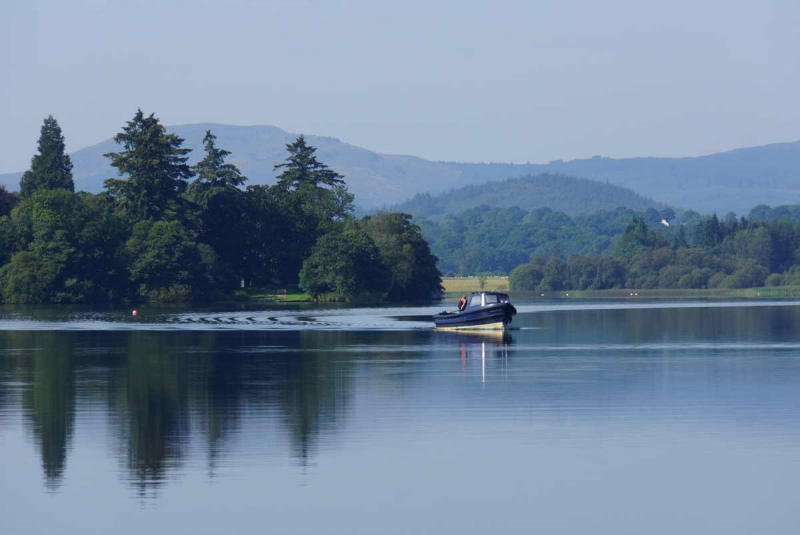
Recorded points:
(735,180)
(561,193)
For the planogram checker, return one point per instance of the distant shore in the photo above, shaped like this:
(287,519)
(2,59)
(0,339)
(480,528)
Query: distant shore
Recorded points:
(454,286)
(457,286)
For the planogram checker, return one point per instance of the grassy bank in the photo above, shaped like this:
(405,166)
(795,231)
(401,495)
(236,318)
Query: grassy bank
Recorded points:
(457,286)
(276,294)
(465,285)
(768,292)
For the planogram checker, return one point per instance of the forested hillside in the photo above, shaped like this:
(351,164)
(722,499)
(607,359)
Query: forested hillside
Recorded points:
(762,212)
(486,239)
(621,247)
(560,193)
(707,254)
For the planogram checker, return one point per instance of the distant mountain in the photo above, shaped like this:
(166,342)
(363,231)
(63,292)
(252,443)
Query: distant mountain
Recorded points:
(737,180)
(374,178)
(570,195)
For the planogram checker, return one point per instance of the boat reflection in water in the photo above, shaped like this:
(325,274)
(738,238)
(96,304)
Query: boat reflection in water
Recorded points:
(481,346)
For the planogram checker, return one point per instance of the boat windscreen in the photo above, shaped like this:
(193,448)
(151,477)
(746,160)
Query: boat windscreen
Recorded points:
(491,299)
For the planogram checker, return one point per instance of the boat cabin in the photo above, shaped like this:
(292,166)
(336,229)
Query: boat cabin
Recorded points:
(482,299)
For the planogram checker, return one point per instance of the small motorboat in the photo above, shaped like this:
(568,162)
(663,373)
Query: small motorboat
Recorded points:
(484,310)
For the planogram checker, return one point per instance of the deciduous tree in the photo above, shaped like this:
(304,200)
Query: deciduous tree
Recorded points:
(347,265)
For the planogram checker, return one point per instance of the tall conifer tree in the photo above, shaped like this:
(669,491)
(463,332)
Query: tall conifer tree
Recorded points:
(156,167)
(302,168)
(213,174)
(52,167)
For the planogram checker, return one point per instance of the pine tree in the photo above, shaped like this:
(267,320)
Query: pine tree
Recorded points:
(52,167)
(680,239)
(213,174)
(156,167)
(302,168)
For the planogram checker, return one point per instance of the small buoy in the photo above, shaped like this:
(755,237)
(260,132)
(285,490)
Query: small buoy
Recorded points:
(134,313)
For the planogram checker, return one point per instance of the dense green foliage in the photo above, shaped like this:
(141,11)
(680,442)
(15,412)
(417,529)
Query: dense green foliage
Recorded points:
(68,248)
(52,167)
(559,193)
(412,266)
(8,200)
(718,254)
(496,240)
(762,212)
(154,236)
(384,251)
(346,265)
(547,250)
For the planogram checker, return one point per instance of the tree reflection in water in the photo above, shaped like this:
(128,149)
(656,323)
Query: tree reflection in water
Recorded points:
(44,363)
(160,388)
(150,404)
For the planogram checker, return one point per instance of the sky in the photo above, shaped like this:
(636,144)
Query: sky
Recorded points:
(457,80)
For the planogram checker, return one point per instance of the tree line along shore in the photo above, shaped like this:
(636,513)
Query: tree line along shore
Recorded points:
(729,254)
(165,231)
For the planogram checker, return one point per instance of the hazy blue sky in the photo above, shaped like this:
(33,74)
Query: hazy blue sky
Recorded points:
(451,80)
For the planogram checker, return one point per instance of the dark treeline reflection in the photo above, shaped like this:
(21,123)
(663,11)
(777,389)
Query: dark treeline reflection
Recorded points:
(49,402)
(166,392)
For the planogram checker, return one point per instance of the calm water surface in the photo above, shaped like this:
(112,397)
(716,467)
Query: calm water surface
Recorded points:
(613,417)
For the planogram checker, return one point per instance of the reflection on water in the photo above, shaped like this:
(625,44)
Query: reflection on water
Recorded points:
(49,405)
(158,389)
(609,399)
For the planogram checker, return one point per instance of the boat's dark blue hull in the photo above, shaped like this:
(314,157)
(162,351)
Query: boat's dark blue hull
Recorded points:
(495,316)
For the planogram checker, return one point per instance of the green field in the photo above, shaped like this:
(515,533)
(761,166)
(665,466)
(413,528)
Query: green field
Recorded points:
(464,285)
(773,292)
(278,294)
(456,286)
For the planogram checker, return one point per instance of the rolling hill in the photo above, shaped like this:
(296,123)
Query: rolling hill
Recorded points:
(736,180)
(561,193)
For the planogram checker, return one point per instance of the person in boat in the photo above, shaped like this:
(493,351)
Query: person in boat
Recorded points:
(462,304)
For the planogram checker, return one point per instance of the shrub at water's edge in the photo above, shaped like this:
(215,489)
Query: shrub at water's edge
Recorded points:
(380,257)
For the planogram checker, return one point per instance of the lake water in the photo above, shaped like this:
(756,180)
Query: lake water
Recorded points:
(588,417)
